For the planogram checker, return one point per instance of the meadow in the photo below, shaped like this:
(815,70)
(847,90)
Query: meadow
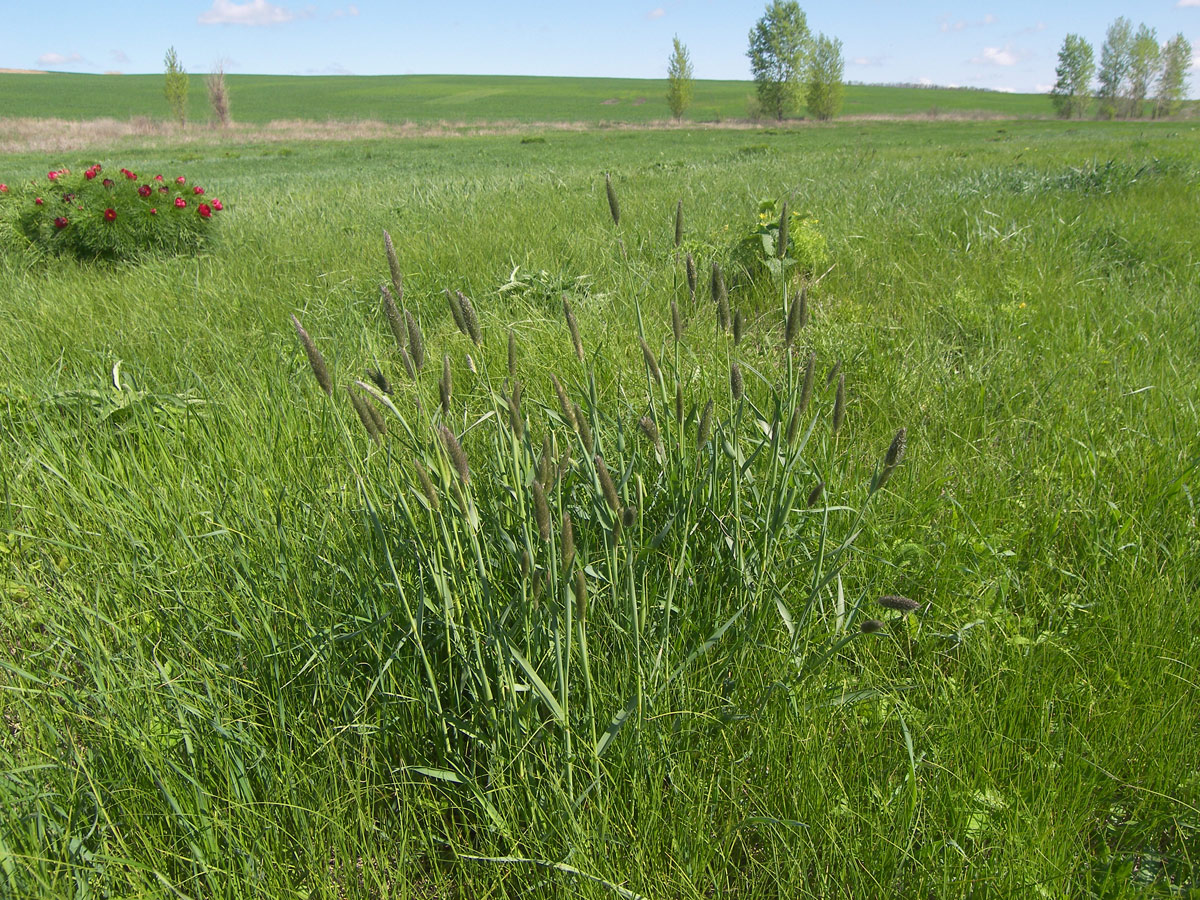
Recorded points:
(427,99)
(245,650)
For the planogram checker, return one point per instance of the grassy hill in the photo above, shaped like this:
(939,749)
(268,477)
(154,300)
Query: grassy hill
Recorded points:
(469,98)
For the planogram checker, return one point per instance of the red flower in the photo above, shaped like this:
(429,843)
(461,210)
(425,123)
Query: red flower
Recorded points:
(158,178)
(61,222)
(110,215)
(205,211)
(197,190)
(89,174)
(144,190)
(180,203)
(107,182)
(153,211)
(97,167)
(3,188)
(38,201)
(217,205)
(53,176)
(163,189)
(180,180)
(124,171)
(132,176)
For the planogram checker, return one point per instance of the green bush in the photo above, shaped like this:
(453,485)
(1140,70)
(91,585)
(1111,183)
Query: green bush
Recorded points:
(756,257)
(93,216)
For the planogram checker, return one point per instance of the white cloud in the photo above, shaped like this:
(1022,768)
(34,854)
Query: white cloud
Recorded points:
(927,82)
(350,10)
(58,59)
(255,12)
(1183,3)
(119,56)
(1043,88)
(656,13)
(946,25)
(996,56)
(867,61)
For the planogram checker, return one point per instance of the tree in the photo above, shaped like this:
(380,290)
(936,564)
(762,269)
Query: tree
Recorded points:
(1114,65)
(1143,68)
(779,49)
(1076,65)
(176,86)
(825,72)
(1172,79)
(218,96)
(679,79)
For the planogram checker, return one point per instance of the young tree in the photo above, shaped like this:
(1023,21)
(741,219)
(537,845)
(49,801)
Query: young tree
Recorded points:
(218,96)
(1076,65)
(1114,65)
(1172,80)
(1143,69)
(826,69)
(679,79)
(779,49)
(176,86)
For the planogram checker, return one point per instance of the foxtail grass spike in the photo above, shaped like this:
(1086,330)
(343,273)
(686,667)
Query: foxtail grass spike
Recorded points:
(416,343)
(782,242)
(470,318)
(690,266)
(895,456)
(456,310)
(902,605)
(393,266)
(736,385)
(525,565)
(613,206)
(676,322)
(379,380)
(541,511)
(870,626)
(584,429)
(720,297)
(651,362)
(573,326)
(810,369)
(629,516)
(446,386)
(678,224)
(606,484)
(738,325)
(839,404)
(568,541)
(793,427)
(705,427)
(408,363)
(512,354)
(458,457)
(650,430)
(376,417)
(516,421)
(678,404)
(564,403)
(427,487)
(360,407)
(470,360)
(545,462)
(395,320)
(792,327)
(814,496)
(581,598)
(834,371)
(315,359)
(804,307)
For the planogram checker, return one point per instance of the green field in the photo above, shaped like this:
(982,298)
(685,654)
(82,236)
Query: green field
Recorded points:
(257,99)
(229,619)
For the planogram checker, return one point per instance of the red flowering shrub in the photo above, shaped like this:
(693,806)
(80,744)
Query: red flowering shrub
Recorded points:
(100,219)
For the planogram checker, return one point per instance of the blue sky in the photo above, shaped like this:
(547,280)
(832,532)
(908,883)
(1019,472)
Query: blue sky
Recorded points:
(1010,46)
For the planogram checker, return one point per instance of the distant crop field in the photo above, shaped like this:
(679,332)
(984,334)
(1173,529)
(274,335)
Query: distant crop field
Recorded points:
(467,98)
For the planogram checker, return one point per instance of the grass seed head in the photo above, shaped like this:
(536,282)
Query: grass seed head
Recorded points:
(678,224)
(902,605)
(516,420)
(607,486)
(839,404)
(679,404)
(804,306)
(651,362)
(360,407)
(833,373)
(545,462)
(736,384)
(705,427)
(650,430)
(427,487)
(739,325)
(870,626)
(581,597)
(456,310)
(315,359)
(810,369)
(573,326)
(393,265)
(416,342)
(408,363)
(541,511)
(676,322)
(376,417)
(895,454)
(379,380)
(793,427)
(568,541)
(782,241)
(584,429)
(470,318)
(721,298)
(458,457)
(613,206)
(814,496)
(793,326)
(690,266)
(629,516)
(564,402)
(395,320)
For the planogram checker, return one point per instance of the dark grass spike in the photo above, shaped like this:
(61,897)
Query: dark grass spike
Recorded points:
(613,206)
(792,327)
(814,496)
(704,429)
(541,511)
(567,542)
(376,416)
(360,407)
(870,626)
(678,224)
(895,456)
(782,240)
(394,319)
(416,342)
(676,322)
(581,597)
(470,318)
(902,605)
(584,429)
(545,466)
(564,402)
(394,266)
(810,369)
(678,404)
(739,325)
(573,326)
(408,363)
(427,487)
(455,451)
(315,360)
(793,427)
(833,373)
(456,311)
(607,486)
(650,430)
(736,384)
(379,380)
(651,362)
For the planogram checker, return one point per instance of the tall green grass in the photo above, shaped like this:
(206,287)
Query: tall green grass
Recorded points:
(207,681)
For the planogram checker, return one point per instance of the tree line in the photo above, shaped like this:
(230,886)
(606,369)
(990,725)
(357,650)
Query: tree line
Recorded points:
(787,62)
(1136,73)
